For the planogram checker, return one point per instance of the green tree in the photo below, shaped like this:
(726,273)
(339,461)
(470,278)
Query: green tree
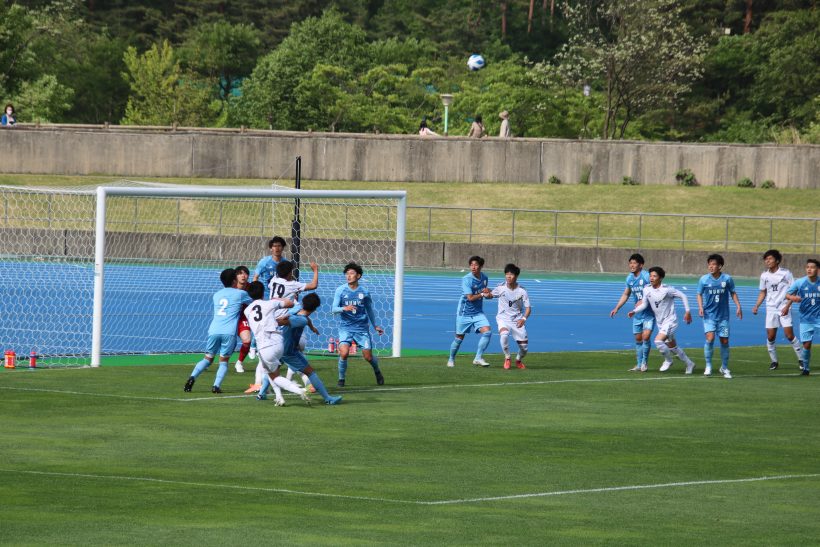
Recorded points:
(640,54)
(161,93)
(46,100)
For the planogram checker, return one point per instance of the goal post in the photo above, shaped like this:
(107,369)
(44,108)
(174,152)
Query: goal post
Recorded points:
(125,273)
(321,198)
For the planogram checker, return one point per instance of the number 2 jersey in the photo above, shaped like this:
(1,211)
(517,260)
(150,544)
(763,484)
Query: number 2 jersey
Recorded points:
(228,304)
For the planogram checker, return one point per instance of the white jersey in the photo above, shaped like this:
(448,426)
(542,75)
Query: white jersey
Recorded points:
(282,288)
(662,302)
(261,316)
(776,284)
(511,303)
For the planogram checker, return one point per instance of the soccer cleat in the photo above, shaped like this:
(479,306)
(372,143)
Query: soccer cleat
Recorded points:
(253,388)
(481,362)
(665,366)
(519,364)
(507,363)
(451,363)
(333,400)
(805,372)
(707,371)
(261,396)
(189,384)
(279,401)
(690,367)
(726,373)
(239,368)
(636,368)
(310,388)
(252,353)
(774,365)
(340,383)
(216,389)
(305,396)
(379,378)
(644,368)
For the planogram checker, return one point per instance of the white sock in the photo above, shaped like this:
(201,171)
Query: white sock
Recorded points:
(798,348)
(289,374)
(260,373)
(771,347)
(664,349)
(276,391)
(505,344)
(522,350)
(305,380)
(681,355)
(290,385)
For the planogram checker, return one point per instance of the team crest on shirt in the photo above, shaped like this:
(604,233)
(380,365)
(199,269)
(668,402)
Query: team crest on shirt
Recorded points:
(360,296)
(723,284)
(640,282)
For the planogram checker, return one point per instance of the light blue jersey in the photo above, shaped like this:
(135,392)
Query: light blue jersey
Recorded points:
(472,285)
(636,284)
(716,294)
(362,315)
(810,294)
(228,304)
(266,270)
(292,333)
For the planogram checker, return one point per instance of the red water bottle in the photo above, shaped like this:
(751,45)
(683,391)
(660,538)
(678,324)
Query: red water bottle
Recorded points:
(331,345)
(32,359)
(11,358)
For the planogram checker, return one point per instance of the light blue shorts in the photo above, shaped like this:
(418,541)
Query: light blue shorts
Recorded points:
(221,344)
(640,325)
(471,323)
(295,361)
(362,339)
(721,327)
(808,330)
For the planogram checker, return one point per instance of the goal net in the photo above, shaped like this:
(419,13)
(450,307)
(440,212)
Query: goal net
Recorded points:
(92,275)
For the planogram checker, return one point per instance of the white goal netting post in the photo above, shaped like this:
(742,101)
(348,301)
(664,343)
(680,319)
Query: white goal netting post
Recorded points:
(122,271)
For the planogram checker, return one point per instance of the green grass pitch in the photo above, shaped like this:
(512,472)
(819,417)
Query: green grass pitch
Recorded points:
(573,450)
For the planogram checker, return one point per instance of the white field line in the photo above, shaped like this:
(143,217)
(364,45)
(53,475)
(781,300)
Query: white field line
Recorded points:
(388,389)
(458,501)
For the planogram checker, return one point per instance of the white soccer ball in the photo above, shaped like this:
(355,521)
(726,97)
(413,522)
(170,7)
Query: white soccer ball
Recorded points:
(476,62)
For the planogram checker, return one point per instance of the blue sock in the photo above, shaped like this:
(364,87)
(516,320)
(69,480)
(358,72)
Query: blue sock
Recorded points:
(200,368)
(646,347)
(265,385)
(806,358)
(342,368)
(639,352)
(374,362)
(316,382)
(483,342)
(454,348)
(221,373)
(724,355)
(708,350)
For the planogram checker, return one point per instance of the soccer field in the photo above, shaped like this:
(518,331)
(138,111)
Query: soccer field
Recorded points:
(572,450)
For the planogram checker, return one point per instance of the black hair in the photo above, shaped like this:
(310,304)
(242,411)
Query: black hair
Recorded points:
(476,258)
(774,253)
(658,270)
(277,239)
(353,266)
(256,290)
(423,123)
(513,269)
(813,261)
(242,269)
(284,269)
(228,277)
(311,301)
(637,257)
(715,257)
(478,118)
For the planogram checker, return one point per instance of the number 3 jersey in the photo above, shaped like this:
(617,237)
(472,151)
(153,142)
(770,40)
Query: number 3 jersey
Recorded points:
(511,303)
(261,315)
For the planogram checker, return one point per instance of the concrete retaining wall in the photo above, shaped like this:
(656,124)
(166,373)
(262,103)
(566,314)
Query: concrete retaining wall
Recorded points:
(23,242)
(158,152)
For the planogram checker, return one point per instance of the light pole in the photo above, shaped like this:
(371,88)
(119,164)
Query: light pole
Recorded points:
(447,100)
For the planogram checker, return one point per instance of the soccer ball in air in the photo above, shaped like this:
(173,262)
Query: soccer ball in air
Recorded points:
(476,62)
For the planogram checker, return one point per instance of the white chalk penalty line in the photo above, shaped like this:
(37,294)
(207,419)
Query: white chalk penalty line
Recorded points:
(459,501)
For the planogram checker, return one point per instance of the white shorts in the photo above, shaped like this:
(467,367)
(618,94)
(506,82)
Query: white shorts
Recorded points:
(668,327)
(519,335)
(270,354)
(775,320)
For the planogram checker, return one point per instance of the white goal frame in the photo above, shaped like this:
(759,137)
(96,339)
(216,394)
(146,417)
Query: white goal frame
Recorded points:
(225,192)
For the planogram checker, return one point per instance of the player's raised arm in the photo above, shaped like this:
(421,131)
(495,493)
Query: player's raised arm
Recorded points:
(315,281)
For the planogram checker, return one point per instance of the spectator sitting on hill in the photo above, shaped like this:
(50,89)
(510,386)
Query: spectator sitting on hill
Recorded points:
(425,131)
(8,119)
(477,128)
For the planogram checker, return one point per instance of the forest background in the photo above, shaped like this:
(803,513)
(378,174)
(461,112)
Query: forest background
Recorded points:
(676,70)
